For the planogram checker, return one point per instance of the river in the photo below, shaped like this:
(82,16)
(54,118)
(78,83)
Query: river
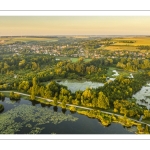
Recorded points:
(30,117)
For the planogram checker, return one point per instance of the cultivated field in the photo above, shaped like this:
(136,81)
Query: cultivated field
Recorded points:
(10,40)
(138,41)
(124,43)
(121,47)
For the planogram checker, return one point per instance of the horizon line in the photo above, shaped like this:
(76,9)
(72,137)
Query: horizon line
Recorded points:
(78,35)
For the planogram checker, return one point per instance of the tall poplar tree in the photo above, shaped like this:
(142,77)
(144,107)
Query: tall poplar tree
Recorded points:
(33,88)
(103,101)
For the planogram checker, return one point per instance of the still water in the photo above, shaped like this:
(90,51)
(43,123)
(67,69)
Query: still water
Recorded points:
(30,117)
(74,86)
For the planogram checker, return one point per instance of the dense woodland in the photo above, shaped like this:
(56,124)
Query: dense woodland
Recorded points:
(35,75)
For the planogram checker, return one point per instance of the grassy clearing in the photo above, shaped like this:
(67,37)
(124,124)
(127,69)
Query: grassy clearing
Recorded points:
(120,71)
(6,93)
(74,60)
(109,72)
(87,59)
(63,58)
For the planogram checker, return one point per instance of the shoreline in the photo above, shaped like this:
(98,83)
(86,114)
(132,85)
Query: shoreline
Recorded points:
(81,107)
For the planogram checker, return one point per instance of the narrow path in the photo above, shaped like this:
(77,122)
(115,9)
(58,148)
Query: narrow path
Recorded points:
(29,95)
(50,100)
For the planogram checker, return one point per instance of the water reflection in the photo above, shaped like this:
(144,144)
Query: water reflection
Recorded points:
(2,110)
(63,110)
(3,98)
(43,105)
(18,101)
(72,112)
(100,122)
(55,108)
(49,106)
(34,103)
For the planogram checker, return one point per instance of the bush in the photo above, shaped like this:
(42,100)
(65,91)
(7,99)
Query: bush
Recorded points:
(72,108)
(14,96)
(2,96)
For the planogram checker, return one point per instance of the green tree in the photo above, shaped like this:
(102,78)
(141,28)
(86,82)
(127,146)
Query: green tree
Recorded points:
(14,96)
(63,104)
(33,88)
(103,101)
(72,108)
(55,103)
(87,94)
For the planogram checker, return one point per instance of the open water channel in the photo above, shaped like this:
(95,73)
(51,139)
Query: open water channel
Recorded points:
(30,117)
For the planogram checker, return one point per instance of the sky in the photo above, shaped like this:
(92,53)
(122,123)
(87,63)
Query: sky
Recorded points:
(74,25)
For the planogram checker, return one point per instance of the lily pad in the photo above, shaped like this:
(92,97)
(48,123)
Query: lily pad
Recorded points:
(32,117)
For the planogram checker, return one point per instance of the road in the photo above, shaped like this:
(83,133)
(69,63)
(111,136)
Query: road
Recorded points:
(50,100)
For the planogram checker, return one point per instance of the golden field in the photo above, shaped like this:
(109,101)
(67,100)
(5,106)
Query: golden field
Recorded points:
(120,45)
(10,40)
(139,40)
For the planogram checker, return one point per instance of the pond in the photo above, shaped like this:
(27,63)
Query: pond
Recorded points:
(30,117)
(143,96)
(74,86)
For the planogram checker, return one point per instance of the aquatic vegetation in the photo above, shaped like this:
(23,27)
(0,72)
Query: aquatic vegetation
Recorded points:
(31,117)
(7,101)
(36,130)
(28,125)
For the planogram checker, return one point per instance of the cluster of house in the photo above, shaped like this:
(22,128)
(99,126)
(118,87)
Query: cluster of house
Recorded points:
(57,50)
